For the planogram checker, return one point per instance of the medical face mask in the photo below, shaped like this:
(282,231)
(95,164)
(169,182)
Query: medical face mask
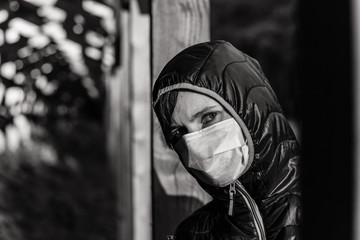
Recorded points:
(218,151)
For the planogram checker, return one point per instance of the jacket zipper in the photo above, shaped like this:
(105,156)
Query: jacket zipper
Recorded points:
(251,205)
(232,191)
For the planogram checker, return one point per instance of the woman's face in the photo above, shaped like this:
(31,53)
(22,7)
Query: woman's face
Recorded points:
(194,111)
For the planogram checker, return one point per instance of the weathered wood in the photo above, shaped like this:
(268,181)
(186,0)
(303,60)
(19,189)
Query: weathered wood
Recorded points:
(141,120)
(119,131)
(129,125)
(176,25)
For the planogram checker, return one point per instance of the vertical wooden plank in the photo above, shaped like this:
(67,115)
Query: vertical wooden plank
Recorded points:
(141,120)
(129,124)
(176,25)
(119,130)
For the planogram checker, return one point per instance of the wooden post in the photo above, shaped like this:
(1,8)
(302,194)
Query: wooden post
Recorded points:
(141,119)
(119,130)
(176,25)
(129,124)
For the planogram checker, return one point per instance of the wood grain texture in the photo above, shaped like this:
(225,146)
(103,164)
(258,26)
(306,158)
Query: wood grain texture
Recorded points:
(141,120)
(176,24)
(118,116)
(129,125)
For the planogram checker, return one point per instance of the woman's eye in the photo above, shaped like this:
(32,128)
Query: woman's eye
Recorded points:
(176,135)
(208,118)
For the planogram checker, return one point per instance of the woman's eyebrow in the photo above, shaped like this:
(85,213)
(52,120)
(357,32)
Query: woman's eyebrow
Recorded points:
(197,114)
(202,111)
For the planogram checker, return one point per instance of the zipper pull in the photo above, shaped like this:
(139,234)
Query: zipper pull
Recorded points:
(232,191)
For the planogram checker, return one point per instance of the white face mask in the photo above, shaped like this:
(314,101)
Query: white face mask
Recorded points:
(219,151)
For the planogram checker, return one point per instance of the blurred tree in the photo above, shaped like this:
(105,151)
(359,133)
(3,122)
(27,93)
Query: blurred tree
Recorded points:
(56,53)
(54,58)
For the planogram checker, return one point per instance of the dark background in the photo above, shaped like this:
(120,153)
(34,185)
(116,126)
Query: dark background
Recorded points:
(305,50)
(267,31)
(326,71)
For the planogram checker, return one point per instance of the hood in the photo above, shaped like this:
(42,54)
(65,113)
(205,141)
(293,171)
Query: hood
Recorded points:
(222,72)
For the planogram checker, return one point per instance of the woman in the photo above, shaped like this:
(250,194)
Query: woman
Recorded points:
(219,113)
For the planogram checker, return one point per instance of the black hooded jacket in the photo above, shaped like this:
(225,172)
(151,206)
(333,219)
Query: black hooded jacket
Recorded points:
(267,201)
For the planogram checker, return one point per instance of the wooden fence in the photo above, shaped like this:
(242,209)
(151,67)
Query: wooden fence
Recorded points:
(154,191)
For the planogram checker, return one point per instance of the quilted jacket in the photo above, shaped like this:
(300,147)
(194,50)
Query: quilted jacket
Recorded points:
(267,197)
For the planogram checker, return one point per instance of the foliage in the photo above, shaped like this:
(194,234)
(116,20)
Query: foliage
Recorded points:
(54,190)
(56,182)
